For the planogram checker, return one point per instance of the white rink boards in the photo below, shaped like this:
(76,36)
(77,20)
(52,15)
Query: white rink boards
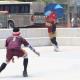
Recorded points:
(39,36)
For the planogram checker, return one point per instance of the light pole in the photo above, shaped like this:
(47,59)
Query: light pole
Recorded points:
(68,14)
(75,8)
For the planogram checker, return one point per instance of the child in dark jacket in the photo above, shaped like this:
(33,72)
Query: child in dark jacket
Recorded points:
(13,46)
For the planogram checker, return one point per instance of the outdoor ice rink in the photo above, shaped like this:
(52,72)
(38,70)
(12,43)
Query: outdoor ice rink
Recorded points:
(63,65)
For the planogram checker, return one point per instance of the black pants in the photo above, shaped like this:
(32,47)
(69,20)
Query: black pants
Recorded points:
(53,27)
(53,40)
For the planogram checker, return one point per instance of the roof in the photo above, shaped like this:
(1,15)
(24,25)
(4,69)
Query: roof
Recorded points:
(14,2)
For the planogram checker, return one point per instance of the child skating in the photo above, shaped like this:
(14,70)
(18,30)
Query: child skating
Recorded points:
(13,48)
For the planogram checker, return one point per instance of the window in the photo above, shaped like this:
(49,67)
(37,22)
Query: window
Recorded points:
(15,8)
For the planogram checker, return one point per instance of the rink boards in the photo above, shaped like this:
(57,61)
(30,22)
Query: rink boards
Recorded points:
(39,36)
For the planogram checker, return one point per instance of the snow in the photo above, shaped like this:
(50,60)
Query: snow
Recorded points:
(63,65)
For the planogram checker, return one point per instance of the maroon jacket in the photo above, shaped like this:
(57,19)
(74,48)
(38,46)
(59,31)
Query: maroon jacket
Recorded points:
(18,42)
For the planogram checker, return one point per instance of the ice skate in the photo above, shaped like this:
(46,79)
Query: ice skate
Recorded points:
(25,74)
(56,50)
(2,67)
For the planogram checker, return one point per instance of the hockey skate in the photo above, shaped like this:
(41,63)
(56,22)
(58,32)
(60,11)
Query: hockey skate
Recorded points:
(25,74)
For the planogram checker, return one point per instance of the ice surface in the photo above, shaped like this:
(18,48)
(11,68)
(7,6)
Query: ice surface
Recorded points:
(63,65)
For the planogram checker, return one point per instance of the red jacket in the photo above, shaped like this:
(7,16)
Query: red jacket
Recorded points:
(52,18)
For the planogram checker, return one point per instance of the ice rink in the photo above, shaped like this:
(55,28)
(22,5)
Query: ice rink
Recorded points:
(63,65)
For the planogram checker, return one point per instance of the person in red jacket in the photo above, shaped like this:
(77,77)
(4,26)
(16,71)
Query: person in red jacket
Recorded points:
(13,46)
(51,25)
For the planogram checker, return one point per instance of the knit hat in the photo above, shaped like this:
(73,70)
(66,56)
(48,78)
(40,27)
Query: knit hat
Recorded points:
(16,29)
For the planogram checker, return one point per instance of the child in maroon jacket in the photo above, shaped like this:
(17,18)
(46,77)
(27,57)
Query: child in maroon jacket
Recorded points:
(13,46)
